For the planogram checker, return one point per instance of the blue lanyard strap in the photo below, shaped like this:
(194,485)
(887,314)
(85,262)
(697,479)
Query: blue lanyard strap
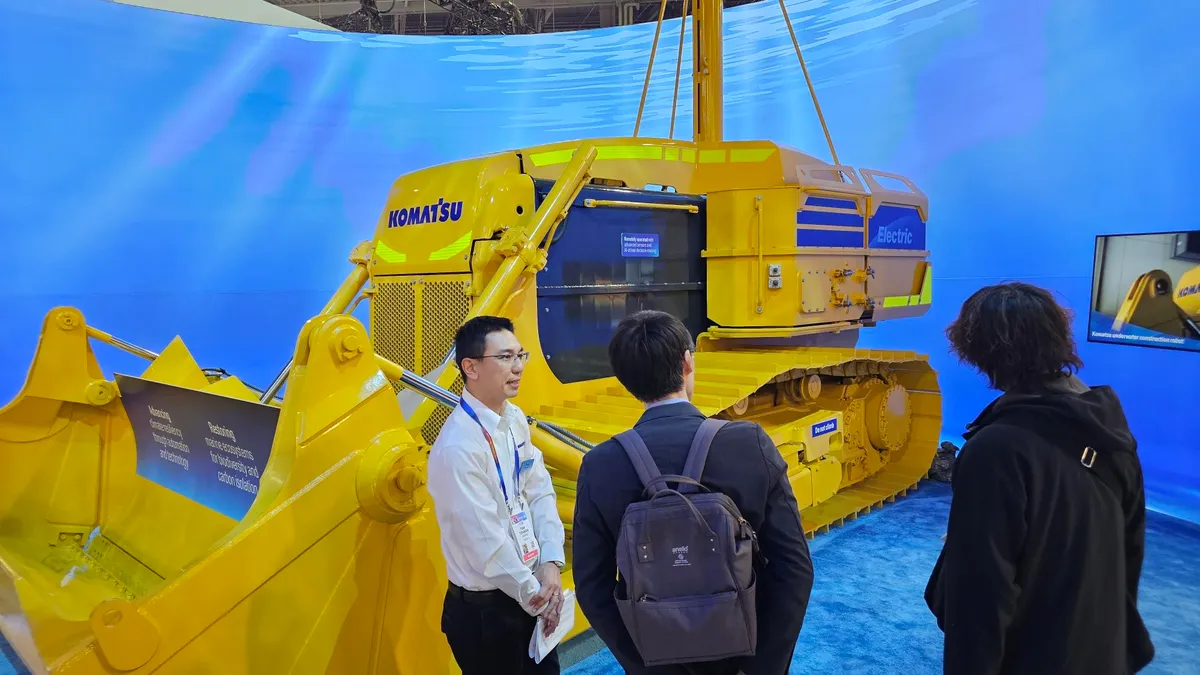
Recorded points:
(495,457)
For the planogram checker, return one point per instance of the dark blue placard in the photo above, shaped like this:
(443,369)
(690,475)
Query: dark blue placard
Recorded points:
(635,245)
(209,448)
(826,427)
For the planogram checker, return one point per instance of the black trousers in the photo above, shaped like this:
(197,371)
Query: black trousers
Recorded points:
(489,634)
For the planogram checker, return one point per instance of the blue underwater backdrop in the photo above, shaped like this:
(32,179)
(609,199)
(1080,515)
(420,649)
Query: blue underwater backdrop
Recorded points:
(170,174)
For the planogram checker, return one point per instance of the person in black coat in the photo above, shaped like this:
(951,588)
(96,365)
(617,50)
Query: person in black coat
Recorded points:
(1040,567)
(652,356)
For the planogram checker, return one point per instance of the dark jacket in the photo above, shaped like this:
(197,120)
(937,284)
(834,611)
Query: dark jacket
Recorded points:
(1040,569)
(743,463)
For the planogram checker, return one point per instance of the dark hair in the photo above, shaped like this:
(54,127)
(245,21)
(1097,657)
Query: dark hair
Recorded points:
(471,338)
(646,353)
(1016,335)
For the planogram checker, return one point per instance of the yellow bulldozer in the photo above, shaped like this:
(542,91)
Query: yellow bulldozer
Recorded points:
(180,521)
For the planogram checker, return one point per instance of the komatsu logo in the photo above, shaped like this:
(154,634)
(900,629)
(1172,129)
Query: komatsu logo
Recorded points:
(894,235)
(419,215)
(822,428)
(1185,291)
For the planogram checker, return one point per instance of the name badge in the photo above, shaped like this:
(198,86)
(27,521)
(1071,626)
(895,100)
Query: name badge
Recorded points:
(527,544)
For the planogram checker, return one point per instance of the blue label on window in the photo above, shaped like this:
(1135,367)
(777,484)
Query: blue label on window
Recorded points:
(639,245)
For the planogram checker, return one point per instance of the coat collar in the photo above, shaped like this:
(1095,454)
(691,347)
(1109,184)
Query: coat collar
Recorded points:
(682,409)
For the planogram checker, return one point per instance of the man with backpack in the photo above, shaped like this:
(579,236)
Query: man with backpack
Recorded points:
(698,518)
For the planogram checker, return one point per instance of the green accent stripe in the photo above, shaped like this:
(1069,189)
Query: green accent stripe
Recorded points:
(751,155)
(629,152)
(449,251)
(671,154)
(388,254)
(551,157)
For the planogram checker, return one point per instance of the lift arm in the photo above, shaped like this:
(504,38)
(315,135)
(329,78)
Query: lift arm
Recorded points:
(525,256)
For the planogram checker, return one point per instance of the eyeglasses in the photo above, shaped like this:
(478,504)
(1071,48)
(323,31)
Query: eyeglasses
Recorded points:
(507,358)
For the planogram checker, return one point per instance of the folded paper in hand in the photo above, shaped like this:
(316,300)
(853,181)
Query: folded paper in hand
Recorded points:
(539,644)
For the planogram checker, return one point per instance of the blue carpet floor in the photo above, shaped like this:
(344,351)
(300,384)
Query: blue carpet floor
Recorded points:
(867,613)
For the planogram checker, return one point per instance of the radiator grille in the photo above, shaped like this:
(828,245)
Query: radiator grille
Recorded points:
(445,308)
(393,311)
(413,323)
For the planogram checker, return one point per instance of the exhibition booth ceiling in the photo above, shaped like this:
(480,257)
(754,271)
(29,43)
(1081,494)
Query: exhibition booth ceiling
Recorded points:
(431,17)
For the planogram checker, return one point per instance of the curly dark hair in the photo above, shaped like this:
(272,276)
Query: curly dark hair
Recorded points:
(1016,335)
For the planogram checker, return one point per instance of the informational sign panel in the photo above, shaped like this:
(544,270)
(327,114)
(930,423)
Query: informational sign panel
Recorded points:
(209,448)
(639,245)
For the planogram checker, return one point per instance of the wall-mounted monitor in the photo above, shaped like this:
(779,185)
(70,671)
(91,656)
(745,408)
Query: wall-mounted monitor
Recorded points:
(1146,290)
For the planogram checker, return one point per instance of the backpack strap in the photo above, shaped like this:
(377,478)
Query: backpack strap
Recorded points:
(643,463)
(698,455)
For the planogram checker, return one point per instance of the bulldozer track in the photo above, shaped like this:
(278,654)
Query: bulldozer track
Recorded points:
(747,384)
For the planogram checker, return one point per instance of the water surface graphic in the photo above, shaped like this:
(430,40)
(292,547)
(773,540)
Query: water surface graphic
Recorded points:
(176,175)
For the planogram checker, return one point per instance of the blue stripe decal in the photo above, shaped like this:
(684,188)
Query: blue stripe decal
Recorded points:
(832,203)
(829,238)
(826,218)
(897,228)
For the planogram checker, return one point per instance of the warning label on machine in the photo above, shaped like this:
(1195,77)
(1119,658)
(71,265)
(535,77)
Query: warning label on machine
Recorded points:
(209,448)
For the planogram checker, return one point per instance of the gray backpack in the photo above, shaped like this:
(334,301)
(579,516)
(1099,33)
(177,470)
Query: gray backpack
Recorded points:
(687,559)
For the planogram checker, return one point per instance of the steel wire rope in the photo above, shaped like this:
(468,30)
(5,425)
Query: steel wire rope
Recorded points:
(678,67)
(662,10)
(808,79)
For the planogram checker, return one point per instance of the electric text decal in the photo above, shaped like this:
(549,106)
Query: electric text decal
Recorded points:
(419,215)
(209,448)
(897,227)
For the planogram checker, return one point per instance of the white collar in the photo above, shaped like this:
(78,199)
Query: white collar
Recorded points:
(487,417)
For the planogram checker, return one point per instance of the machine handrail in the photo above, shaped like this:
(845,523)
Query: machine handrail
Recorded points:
(449,399)
(804,172)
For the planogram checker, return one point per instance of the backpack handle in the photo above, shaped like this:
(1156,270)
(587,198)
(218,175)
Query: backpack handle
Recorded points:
(644,535)
(674,478)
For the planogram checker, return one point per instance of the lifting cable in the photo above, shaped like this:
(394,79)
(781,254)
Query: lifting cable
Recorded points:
(662,9)
(811,90)
(678,66)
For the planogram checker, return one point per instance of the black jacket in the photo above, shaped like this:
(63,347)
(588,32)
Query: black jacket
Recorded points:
(1040,569)
(744,464)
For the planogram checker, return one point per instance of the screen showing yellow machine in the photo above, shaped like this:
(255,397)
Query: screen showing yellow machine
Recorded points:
(1146,290)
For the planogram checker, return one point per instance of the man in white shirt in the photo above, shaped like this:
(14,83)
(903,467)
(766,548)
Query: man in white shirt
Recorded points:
(501,535)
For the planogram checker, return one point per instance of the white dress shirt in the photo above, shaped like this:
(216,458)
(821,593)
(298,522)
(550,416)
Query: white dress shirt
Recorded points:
(478,545)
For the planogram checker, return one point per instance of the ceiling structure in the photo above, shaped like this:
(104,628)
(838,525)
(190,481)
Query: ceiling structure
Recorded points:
(480,17)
